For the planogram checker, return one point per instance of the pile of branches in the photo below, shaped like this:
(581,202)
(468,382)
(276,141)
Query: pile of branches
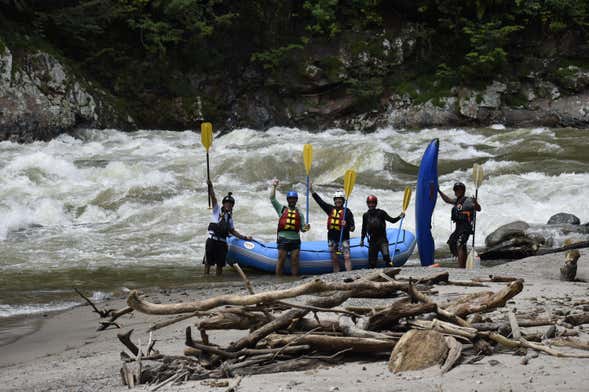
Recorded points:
(413,329)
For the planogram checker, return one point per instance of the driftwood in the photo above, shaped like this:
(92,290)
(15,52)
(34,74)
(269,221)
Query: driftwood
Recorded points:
(395,312)
(335,343)
(484,301)
(577,319)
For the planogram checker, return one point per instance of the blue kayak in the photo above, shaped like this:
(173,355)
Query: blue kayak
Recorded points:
(426,194)
(315,257)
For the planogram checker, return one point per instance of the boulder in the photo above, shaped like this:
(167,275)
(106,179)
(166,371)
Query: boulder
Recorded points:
(564,218)
(506,232)
(418,350)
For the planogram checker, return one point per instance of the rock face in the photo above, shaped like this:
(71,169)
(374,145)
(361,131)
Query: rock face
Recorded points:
(40,98)
(519,239)
(563,218)
(418,350)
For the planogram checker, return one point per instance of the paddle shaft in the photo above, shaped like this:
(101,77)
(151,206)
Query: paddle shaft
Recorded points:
(208,178)
(307,217)
(397,240)
(474,218)
(341,233)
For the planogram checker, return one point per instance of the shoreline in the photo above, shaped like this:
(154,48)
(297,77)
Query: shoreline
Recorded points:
(67,353)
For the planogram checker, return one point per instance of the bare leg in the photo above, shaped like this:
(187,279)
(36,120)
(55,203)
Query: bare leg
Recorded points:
(294,262)
(207,269)
(462,256)
(280,262)
(347,261)
(334,259)
(219,270)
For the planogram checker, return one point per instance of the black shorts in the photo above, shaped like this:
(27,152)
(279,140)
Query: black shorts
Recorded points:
(216,252)
(288,245)
(374,247)
(458,239)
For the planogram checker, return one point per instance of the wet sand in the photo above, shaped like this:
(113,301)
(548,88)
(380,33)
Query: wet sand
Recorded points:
(67,353)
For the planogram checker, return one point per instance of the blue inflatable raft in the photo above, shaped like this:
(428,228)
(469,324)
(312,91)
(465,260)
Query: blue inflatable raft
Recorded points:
(426,194)
(315,258)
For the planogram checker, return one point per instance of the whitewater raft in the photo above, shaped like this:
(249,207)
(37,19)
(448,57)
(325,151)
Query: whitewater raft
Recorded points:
(315,257)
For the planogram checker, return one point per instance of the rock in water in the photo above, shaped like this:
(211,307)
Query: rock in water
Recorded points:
(563,217)
(418,350)
(505,232)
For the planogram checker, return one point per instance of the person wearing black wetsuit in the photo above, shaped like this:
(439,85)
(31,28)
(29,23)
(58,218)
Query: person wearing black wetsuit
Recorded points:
(463,211)
(375,227)
(335,221)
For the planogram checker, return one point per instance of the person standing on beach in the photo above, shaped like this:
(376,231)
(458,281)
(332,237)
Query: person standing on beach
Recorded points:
(335,221)
(463,211)
(291,221)
(374,225)
(220,227)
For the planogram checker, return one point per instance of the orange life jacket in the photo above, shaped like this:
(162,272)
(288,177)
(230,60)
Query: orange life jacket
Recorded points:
(290,220)
(334,219)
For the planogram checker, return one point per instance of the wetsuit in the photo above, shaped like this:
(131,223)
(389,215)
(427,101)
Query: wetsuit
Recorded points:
(374,226)
(462,214)
(216,245)
(288,239)
(334,216)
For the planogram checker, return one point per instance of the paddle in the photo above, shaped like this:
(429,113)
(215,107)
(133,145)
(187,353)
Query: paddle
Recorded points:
(477,178)
(308,158)
(349,181)
(206,138)
(406,200)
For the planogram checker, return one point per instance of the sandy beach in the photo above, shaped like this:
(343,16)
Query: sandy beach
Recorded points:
(67,353)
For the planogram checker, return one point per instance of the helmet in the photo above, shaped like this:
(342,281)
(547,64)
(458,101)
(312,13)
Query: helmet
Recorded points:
(228,198)
(292,195)
(339,195)
(459,185)
(371,199)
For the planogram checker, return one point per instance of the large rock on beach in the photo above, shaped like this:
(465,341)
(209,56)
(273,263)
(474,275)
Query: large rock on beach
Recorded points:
(418,350)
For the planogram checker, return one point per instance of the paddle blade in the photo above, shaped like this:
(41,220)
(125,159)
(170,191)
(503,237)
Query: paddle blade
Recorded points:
(349,181)
(206,134)
(472,261)
(308,157)
(477,175)
(406,198)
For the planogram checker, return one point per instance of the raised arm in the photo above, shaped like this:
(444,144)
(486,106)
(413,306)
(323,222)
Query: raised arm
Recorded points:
(324,206)
(447,199)
(212,193)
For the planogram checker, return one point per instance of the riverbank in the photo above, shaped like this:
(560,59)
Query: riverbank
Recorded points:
(67,353)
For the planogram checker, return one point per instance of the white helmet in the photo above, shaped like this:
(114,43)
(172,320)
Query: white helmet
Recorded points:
(339,195)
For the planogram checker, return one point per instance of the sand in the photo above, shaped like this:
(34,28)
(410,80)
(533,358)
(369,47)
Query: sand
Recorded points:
(67,354)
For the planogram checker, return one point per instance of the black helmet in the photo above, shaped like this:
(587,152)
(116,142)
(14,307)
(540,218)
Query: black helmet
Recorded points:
(459,185)
(229,198)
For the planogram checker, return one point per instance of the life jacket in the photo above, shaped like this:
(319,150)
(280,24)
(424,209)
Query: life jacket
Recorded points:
(375,225)
(334,219)
(221,228)
(463,211)
(290,220)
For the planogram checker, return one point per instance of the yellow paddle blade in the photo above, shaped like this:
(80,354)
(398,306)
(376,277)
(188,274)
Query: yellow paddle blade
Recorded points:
(470,260)
(477,175)
(349,181)
(308,157)
(206,134)
(406,198)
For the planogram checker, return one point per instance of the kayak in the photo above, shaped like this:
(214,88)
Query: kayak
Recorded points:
(426,194)
(315,257)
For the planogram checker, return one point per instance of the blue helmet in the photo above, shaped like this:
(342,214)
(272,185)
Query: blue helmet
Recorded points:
(292,194)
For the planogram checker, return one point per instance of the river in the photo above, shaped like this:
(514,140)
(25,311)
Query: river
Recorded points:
(106,210)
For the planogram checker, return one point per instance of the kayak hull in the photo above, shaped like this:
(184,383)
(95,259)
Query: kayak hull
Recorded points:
(315,257)
(426,195)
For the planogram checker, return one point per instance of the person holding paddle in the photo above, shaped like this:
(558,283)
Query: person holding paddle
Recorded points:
(374,225)
(463,214)
(335,224)
(290,223)
(220,227)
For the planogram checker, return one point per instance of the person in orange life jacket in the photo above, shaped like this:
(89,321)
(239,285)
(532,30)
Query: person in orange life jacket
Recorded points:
(374,225)
(335,221)
(290,223)
(220,227)
(463,211)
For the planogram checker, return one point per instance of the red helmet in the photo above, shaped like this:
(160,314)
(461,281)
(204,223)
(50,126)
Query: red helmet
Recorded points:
(371,199)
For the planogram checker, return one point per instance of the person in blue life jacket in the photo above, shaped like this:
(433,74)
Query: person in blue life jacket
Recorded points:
(335,222)
(463,211)
(220,227)
(374,226)
(290,223)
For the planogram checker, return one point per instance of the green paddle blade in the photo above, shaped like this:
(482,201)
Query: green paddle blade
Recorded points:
(406,198)
(349,181)
(206,135)
(308,157)
(477,175)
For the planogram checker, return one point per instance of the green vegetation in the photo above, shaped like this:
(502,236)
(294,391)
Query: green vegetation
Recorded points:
(143,51)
